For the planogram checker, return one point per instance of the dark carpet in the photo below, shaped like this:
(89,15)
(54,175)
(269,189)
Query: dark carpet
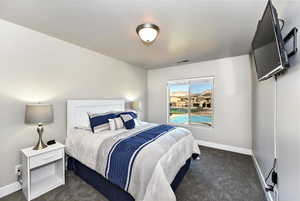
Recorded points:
(217,176)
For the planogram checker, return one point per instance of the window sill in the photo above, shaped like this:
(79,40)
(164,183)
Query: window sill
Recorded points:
(191,125)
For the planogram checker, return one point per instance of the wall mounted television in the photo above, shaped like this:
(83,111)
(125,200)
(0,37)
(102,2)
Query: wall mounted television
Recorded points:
(268,46)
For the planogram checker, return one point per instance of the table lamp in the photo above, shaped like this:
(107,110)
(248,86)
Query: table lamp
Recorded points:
(39,114)
(135,105)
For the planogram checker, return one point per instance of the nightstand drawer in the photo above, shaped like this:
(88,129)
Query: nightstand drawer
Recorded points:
(45,158)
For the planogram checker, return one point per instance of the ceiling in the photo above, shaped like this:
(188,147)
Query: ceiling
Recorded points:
(198,30)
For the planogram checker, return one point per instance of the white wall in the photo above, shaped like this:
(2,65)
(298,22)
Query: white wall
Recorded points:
(288,109)
(35,67)
(263,121)
(288,134)
(232,116)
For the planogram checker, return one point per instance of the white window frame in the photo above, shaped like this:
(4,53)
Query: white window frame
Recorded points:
(213,101)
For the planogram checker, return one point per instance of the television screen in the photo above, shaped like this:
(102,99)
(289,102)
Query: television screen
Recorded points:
(268,47)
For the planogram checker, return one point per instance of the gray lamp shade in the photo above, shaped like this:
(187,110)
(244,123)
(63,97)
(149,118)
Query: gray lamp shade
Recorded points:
(38,113)
(135,105)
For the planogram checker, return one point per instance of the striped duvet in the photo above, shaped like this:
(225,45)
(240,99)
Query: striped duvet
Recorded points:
(145,162)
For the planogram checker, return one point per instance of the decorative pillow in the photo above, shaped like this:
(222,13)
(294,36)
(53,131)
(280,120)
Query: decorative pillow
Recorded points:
(116,123)
(99,122)
(128,121)
(131,113)
(119,123)
(112,124)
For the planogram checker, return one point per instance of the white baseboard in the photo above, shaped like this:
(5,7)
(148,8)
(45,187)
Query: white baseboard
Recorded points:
(262,179)
(225,147)
(10,188)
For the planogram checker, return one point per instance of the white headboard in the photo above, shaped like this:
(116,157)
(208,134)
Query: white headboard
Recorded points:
(77,110)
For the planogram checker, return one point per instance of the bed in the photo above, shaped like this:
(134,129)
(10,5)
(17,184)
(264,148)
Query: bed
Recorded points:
(149,172)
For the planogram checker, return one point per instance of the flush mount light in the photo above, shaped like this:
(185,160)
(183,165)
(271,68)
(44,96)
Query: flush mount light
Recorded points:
(147,32)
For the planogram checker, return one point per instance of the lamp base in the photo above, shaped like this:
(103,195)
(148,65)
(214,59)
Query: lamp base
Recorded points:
(40,145)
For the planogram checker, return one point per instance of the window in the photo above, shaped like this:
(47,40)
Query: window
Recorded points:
(191,101)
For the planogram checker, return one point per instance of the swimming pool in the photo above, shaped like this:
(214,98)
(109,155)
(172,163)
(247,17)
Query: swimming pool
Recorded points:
(194,119)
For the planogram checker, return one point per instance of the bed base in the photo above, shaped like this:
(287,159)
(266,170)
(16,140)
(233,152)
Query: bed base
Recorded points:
(110,190)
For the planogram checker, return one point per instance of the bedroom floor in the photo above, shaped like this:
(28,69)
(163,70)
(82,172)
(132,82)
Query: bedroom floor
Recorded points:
(217,176)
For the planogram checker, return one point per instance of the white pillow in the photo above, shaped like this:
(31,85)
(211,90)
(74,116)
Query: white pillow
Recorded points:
(119,122)
(112,124)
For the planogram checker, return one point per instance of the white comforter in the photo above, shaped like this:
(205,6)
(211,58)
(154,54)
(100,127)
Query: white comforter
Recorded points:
(84,146)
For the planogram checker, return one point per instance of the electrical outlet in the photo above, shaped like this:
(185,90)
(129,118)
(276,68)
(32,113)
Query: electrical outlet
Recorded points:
(18,169)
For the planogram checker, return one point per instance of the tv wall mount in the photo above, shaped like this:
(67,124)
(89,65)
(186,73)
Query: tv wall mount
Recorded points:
(292,35)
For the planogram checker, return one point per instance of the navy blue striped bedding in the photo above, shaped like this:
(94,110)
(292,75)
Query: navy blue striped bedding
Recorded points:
(123,153)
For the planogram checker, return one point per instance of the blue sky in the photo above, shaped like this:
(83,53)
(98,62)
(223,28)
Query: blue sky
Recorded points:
(195,88)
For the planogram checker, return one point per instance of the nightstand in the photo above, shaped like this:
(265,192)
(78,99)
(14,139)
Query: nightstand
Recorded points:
(43,170)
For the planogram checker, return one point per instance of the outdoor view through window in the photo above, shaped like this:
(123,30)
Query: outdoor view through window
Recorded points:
(191,101)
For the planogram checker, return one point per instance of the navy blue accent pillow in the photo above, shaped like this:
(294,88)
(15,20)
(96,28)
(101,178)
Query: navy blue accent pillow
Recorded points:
(99,122)
(133,114)
(128,121)
(129,124)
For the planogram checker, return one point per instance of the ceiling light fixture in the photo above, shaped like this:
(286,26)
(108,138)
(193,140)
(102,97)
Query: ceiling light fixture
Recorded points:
(147,32)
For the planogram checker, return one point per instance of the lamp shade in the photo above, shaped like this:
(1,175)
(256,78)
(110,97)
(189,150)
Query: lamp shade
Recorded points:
(135,105)
(38,113)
